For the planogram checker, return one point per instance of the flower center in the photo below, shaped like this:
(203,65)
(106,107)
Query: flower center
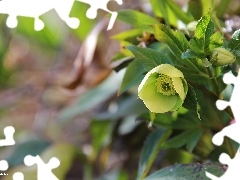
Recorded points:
(165,85)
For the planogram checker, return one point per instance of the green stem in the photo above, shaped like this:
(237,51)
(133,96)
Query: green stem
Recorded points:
(152,118)
(214,82)
(88,171)
(217,22)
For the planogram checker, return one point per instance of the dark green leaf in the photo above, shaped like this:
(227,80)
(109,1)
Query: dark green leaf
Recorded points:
(234,43)
(133,76)
(30,147)
(190,102)
(121,63)
(186,122)
(182,139)
(176,41)
(129,106)
(149,58)
(194,139)
(192,76)
(187,172)
(91,98)
(150,150)
(137,19)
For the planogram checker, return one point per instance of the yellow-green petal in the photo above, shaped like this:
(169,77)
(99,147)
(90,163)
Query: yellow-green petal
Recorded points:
(178,104)
(154,101)
(169,70)
(178,85)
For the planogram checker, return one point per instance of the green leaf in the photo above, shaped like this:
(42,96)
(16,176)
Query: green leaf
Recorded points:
(195,7)
(197,46)
(216,40)
(186,122)
(137,19)
(223,7)
(100,138)
(234,43)
(204,29)
(121,63)
(176,41)
(150,150)
(199,8)
(190,102)
(162,9)
(127,106)
(91,98)
(179,13)
(133,76)
(149,58)
(29,147)
(187,172)
(189,137)
(194,139)
(192,76)
(126,35)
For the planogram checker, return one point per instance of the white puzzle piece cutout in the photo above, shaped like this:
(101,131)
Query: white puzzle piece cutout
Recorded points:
(231,131)
(8,132)
(36,8)
(18,176)
(101,4)
(44,171)
(232,172)
(3,167)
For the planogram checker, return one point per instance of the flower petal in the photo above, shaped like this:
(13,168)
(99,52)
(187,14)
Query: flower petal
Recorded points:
(178,85)
(169,70)
(178,104)
(150,76)
(154,101)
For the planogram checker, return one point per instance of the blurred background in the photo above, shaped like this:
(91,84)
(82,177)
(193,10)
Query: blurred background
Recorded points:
(59,92)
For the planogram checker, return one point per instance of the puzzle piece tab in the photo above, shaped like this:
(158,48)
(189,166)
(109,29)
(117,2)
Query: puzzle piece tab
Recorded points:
(100,4)
(233,167)
(231,131)
(8,132)
(36,8)
(44,171)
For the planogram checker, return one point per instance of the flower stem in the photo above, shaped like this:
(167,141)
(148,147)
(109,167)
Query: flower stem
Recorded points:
(214,81)
(152,118)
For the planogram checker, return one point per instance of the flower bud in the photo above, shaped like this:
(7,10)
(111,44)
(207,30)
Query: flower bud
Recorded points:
(191,27)
(222,57)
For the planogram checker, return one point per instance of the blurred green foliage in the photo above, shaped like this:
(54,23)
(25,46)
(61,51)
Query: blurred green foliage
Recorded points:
(66,98)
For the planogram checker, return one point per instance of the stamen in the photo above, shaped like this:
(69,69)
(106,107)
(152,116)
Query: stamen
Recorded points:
(165,85)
